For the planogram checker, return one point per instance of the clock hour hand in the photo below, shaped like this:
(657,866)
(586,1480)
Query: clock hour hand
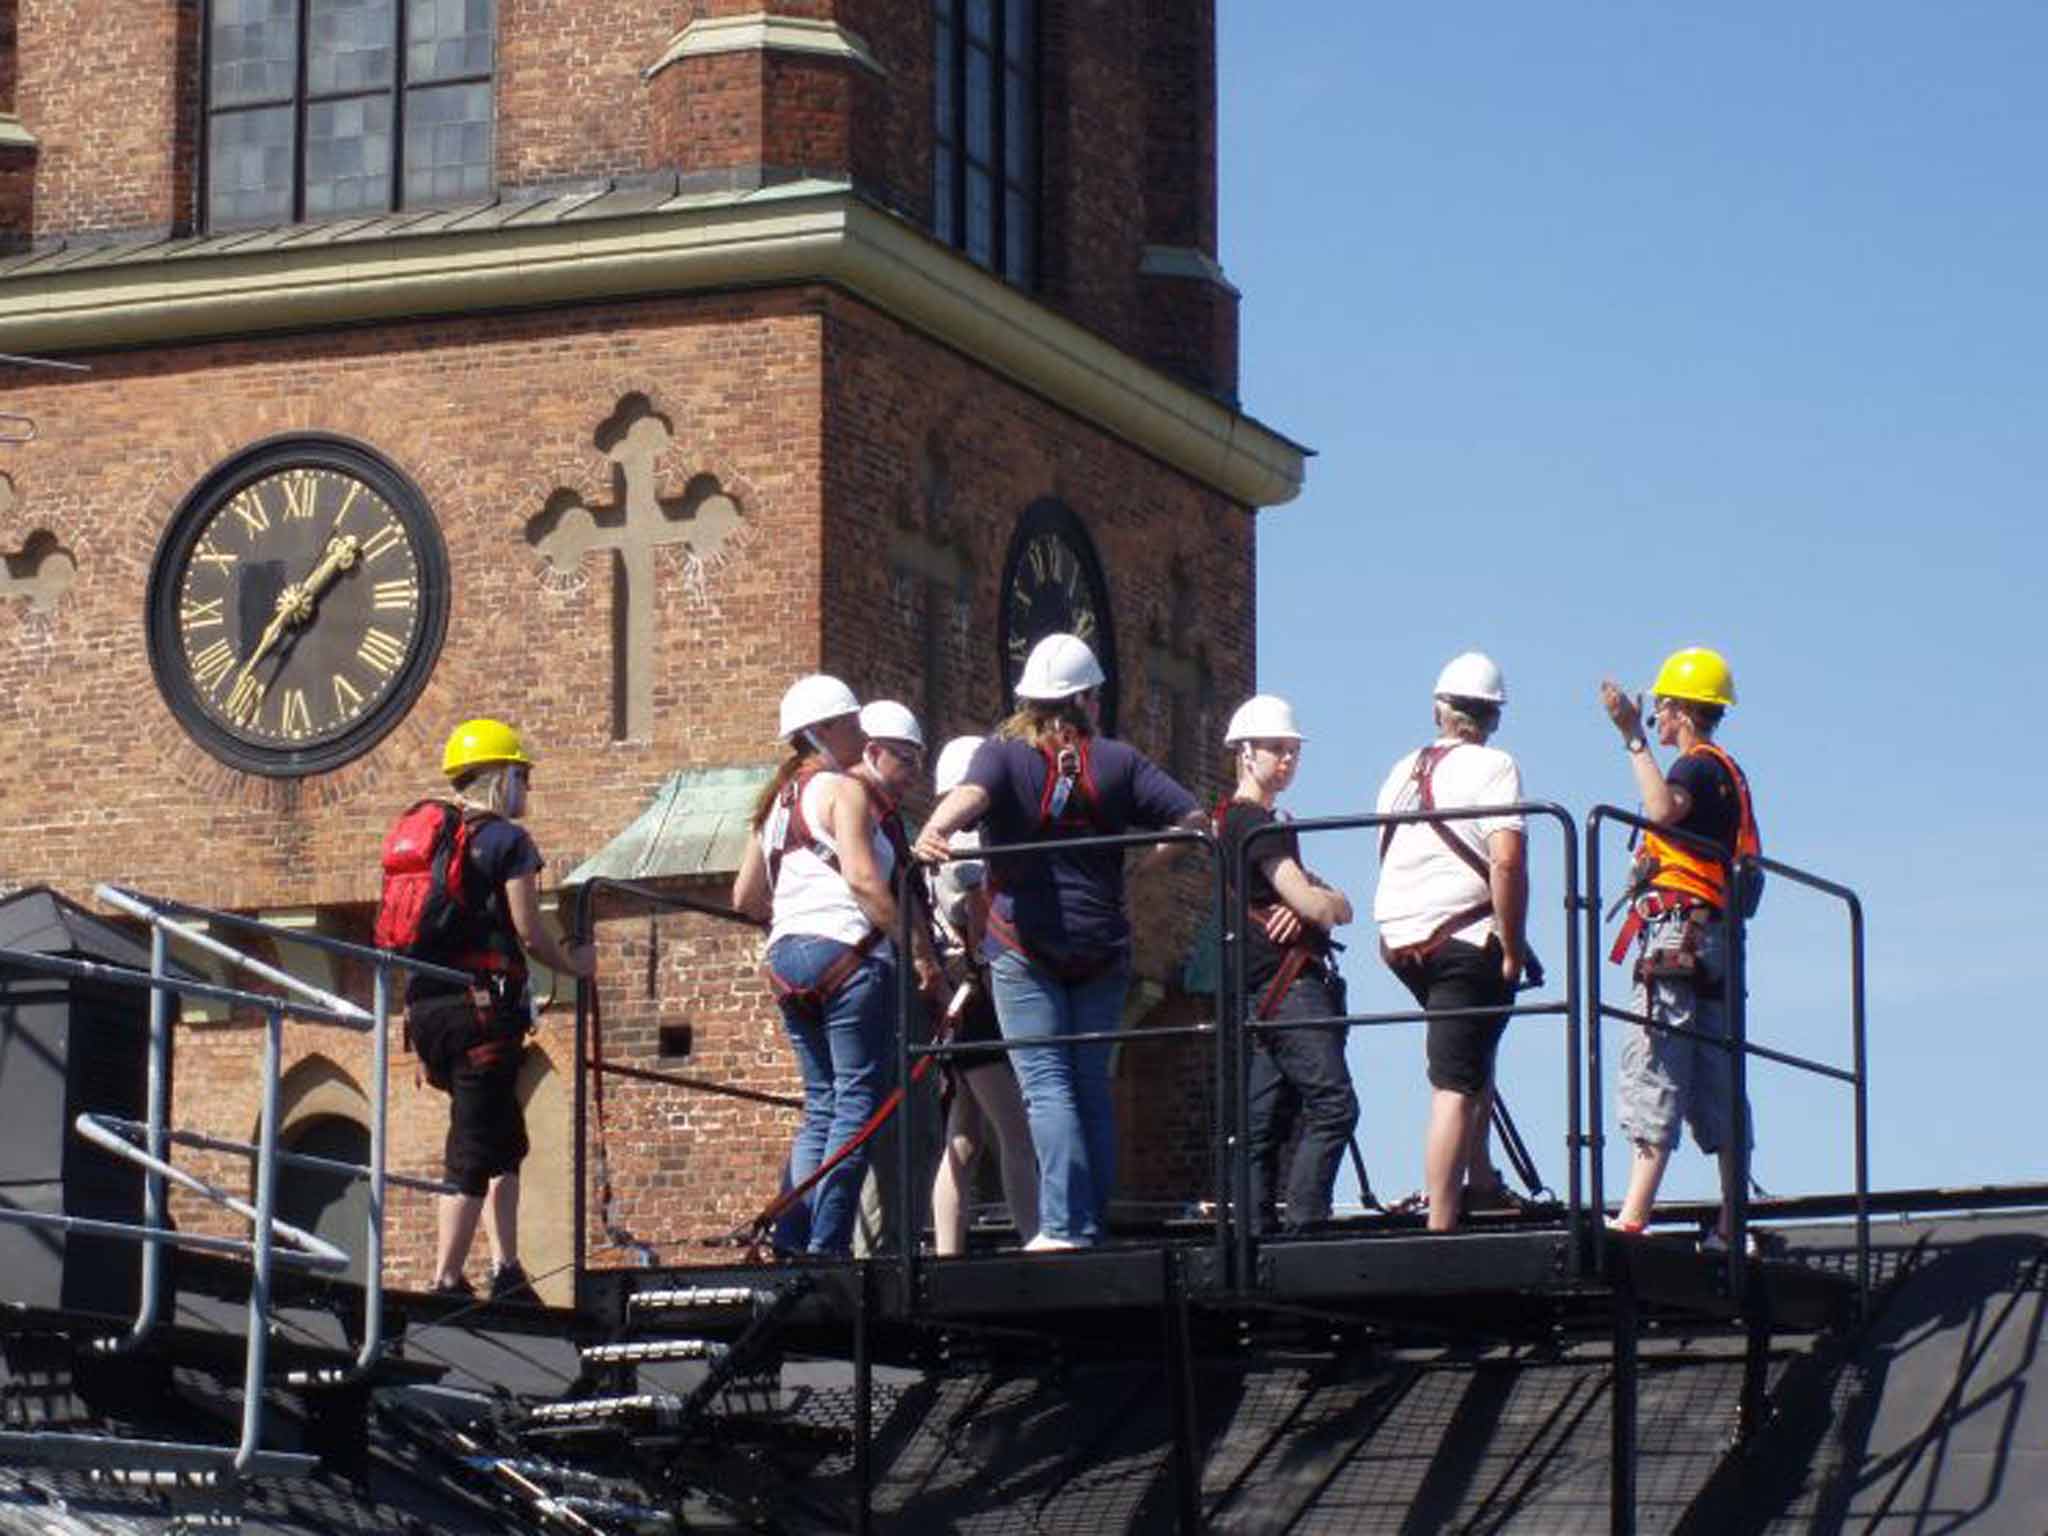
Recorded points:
(295,606)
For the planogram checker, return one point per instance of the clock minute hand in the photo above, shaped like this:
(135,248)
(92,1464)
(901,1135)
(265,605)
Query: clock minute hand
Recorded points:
(295,605)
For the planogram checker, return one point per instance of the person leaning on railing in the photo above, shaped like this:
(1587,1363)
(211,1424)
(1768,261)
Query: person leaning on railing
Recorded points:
(1297,1076)
(1450,906)
(1678,921)
(1059,942)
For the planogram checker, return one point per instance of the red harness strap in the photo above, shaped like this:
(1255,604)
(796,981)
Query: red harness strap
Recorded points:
(1641,912)
(809,1002)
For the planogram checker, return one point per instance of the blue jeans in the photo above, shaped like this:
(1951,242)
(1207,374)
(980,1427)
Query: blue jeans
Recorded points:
(846,1064)
(1066,1088)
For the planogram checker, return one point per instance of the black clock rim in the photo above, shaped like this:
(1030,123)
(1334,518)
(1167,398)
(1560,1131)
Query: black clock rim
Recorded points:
(1048,514)
(299,450)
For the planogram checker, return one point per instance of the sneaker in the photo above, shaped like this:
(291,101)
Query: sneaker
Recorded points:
(1626,1228)
(509,1283)
(1713,1243)
(459,1287)
(1045,1242)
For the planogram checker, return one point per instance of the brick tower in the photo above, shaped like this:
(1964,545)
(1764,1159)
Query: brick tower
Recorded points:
(678,349)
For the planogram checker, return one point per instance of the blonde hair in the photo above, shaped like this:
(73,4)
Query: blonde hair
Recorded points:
(800,753)
(1046,723)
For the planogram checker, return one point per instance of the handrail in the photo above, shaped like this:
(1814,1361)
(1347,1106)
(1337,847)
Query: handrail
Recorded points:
(908,1012)
(114,1135)
(1735,992)
(1234,986)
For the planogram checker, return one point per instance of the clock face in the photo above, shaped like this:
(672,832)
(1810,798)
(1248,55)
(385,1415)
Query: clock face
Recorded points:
(297,604)
(1053,582)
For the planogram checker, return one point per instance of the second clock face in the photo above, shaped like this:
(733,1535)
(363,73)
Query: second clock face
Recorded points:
(297,605)
(1053,582)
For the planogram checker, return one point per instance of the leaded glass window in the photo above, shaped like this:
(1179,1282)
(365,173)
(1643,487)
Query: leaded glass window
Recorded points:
(985,123)
(322,108)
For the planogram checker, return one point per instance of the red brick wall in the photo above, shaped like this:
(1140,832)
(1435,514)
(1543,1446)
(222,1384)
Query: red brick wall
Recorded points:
(571,102)
(815,412)
(109,89)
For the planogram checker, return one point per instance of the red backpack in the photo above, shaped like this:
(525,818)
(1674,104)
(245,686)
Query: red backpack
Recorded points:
(426,905)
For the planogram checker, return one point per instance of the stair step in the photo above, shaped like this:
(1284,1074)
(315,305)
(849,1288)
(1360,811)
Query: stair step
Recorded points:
(655,1349)
(706,1298)
(662,1407)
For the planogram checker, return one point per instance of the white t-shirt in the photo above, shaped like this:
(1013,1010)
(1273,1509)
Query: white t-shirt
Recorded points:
(1421,881)
(811,897)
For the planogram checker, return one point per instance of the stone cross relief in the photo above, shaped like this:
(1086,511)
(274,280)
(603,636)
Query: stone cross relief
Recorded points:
(633,526)
(924,563)
(1181,687)
(42,570)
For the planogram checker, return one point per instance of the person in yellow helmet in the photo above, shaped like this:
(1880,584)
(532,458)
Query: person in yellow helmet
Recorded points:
(475,1036)
(1679,925)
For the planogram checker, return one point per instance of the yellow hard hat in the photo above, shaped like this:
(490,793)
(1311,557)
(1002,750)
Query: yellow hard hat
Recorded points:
(478,743)
(1698,674)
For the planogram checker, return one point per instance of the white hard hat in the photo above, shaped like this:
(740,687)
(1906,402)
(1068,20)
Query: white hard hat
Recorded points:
(1473,675)
(1262,717)
(954,757)
(886,720)
(1059,667)
(811,700)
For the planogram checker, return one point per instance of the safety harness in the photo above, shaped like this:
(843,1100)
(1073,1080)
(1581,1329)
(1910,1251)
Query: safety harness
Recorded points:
(1422,776)
(809,1002)
(1295,958)
(1069,806)
(1668,878)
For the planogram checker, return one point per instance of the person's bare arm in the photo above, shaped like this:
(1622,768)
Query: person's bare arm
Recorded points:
(1307,898)
(1162,854)
(522,897)
(1663,802)
(750,890)
(1508,880)
(848,817)
(963,806)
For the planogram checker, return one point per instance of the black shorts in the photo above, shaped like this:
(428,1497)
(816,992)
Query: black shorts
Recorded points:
(977,1024)
(1461,975)
(486,1127)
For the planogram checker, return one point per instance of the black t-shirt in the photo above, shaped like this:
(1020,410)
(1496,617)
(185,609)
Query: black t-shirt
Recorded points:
(499,851)
(1716,810)
(1241,818)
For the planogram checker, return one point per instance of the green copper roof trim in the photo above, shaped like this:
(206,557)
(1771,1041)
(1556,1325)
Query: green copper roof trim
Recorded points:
(695,826)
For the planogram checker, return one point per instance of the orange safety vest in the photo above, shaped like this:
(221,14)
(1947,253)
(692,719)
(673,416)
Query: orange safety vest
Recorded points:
(1677,868)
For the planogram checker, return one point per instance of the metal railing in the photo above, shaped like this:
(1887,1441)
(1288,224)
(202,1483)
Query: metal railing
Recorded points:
(583,927)
(1734,1002)
(155,1137)
(1246,1030)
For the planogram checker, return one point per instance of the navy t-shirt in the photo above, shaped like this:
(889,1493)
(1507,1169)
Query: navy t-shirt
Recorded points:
(499,850)
(1716,810)
(1068,905)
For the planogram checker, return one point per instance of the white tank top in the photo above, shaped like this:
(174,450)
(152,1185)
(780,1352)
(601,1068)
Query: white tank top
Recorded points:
(811,897)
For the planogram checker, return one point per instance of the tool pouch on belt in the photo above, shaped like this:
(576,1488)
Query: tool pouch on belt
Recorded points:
(1671,948)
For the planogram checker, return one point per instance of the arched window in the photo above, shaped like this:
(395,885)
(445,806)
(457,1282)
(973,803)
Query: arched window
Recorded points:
(320,108)
(329,1205)
(985,121)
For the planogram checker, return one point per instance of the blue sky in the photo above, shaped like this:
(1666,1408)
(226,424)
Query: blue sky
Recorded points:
(1622,328)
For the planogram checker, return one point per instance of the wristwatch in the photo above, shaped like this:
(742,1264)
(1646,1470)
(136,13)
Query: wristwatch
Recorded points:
(1637,744)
